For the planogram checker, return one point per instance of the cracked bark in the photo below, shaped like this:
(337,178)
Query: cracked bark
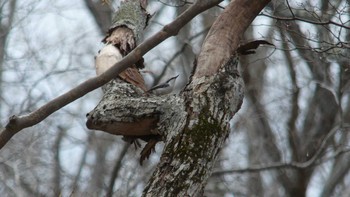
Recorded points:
(118,112)
(211,99)
(194,124)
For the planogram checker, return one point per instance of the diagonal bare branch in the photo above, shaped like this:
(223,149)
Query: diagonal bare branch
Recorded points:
(17,123)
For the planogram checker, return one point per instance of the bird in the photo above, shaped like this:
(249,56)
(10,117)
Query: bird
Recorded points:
(106,58)
(110,55)
(164,88)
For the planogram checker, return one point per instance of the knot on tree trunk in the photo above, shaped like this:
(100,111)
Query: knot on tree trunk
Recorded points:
(127,110)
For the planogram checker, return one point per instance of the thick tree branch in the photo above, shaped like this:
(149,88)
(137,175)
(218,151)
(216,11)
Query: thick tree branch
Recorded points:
(227,36)
(17,123)
(213,96)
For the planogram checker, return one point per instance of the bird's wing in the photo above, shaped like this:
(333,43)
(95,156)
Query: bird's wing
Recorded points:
(132,75)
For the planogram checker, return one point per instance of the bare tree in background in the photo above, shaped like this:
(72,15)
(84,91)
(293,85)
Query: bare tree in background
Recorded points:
(7,8)
(314,125)
(289,139)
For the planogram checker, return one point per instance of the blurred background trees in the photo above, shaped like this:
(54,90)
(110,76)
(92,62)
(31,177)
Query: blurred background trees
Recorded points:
(290,138)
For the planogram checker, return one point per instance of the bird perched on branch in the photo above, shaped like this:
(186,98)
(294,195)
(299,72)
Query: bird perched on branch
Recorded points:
(110,55)
(119,42)
(164,88)
(106,58)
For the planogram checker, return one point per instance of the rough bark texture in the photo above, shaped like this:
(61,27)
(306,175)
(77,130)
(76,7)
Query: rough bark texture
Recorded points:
(120,111)
(193,124)
(122,94)
(223,37)
(126,110)
(132,15)
(213,96)
(190,154)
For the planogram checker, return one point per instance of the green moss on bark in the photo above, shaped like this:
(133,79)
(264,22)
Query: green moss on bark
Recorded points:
(194,149)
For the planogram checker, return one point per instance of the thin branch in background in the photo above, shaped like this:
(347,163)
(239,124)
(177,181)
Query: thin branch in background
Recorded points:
(293,140)
(179,3)
(297,165)
(182,3)
(330,22)
(5,29)
(57,164)
(177,54)
(81,164)
(290,9)
(12,168)
(116,169)
(276,166)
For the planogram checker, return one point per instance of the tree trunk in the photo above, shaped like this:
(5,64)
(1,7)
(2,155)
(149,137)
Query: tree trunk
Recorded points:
(194,124)
(213,96)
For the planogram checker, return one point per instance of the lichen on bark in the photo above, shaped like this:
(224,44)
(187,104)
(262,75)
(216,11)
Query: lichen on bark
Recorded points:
(195,124)
(127,110)
(133,16)
(221,94)
(210,101)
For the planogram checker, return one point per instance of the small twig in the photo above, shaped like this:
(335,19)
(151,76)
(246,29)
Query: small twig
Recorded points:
(290,9)
(178,53)
(297,165)
(275,166)
(306,21)
(116,169)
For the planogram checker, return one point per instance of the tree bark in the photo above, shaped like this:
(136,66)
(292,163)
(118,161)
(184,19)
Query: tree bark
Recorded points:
(18,123)
(211,99)
(195,124)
